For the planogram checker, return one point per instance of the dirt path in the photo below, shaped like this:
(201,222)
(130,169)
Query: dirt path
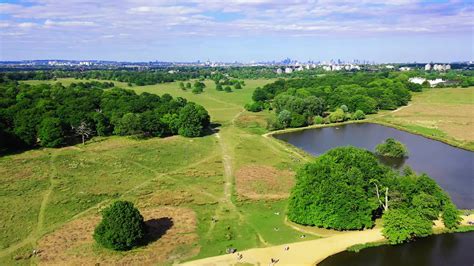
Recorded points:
(300,253)
(306,252)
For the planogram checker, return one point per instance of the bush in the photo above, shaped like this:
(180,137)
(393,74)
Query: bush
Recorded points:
(254,107)
(318,120)
(335,192)
(391,148)
(400,225)
(122,227)
(337,116)
(358,115)
(451,218)
(228,89)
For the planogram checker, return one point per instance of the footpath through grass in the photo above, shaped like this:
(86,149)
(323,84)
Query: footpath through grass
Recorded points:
(45,190)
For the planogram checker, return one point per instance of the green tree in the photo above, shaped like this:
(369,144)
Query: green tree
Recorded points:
(284,118)
(400,225)
(334,190)
(391,148)
(337,116)
(318,120)
(188,85)
(219,87)
(238,86)
(450,216)
(228,89)
(129,124)
(50,132)
(193,120)
(358,115)
(122,227)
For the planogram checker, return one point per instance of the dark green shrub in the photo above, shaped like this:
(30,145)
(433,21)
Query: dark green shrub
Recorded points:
(391,148)
(122,227)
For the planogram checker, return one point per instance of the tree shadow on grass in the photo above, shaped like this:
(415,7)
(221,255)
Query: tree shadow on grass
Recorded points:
(156,228)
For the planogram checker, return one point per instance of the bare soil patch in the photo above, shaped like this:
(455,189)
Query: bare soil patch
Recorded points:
(263,182)
(172,236)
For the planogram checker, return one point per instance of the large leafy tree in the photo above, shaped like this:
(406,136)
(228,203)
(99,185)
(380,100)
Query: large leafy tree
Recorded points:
(334,191)
(400,225)
(193,120)
(122,227)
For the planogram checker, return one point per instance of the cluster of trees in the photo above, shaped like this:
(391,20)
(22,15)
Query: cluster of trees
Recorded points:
(347,189)
(337,95)
(197,88)
(225,84)
(54,115)
(391,148)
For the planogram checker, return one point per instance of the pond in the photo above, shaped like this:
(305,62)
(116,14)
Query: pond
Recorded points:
(445,249)
(451,167)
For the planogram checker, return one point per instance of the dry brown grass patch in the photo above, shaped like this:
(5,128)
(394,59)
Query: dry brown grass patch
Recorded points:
(73,243)
(263,182)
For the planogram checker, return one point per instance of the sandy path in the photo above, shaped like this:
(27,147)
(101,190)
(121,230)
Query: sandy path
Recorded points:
(306,252)
(300,253)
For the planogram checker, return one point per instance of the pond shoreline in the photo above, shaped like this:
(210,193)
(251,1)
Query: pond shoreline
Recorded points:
(369,121)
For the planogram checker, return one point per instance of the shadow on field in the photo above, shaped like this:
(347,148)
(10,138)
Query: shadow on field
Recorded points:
(156,228)
(212,129)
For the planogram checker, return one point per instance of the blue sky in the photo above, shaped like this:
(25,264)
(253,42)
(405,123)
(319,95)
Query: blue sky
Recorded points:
(237,30)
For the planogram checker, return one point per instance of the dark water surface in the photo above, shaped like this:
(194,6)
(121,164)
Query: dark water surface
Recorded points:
(438,250)
(452,168)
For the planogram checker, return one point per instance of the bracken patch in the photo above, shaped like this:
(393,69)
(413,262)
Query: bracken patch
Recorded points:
(172,237)
(263,182)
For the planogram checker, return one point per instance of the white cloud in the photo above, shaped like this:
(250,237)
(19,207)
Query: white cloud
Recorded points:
(70,23)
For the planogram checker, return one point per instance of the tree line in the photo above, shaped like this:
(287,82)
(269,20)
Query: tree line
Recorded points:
(54,115)
(336,97)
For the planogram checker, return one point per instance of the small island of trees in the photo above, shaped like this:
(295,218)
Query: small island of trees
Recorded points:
(391,148)
(348,189)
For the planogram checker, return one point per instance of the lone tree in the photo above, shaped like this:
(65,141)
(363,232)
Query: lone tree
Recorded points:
(391,148)
(83,130)
(122,227)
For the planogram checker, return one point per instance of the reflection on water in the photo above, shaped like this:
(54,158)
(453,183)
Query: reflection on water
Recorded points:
(452,168)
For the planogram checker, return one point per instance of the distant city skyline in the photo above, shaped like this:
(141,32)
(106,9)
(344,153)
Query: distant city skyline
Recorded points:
(395,31)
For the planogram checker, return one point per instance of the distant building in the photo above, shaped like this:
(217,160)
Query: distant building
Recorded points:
(447,67)
(389,67)
(405,68)
(300,68)
(432,82)
(417,80)
(279,71)
(288,70)
(428,67)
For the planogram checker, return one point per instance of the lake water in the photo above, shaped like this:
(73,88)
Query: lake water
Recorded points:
(452,168)
(438,250)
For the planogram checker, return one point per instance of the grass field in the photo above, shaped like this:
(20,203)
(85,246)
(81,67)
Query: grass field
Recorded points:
(57,193)
(224,190)
(444,114)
